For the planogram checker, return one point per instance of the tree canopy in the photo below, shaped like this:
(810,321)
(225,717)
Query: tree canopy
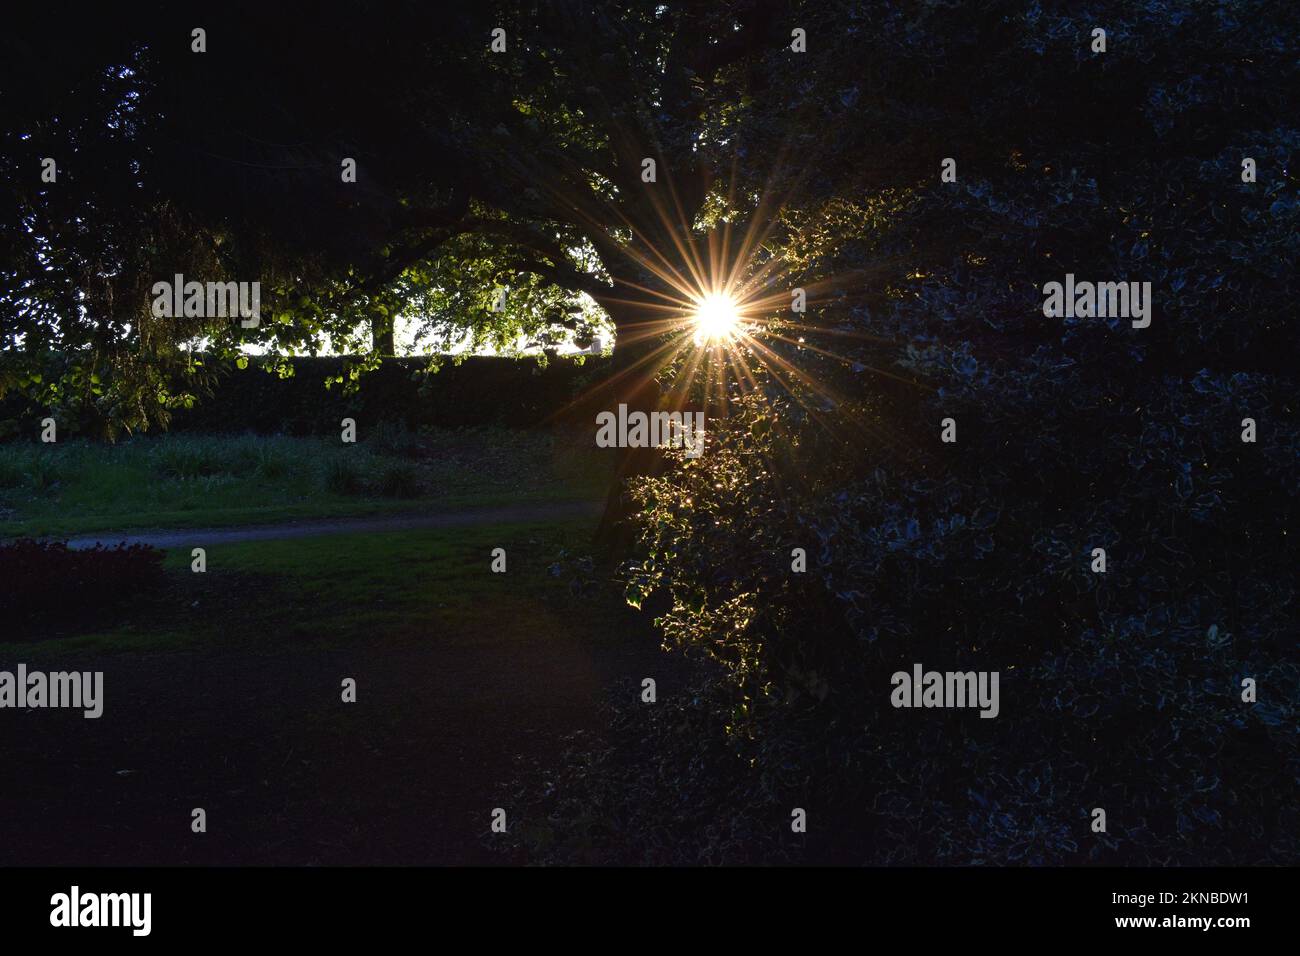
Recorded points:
(475,171)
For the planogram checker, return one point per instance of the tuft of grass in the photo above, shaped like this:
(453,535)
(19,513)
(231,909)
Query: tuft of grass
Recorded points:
(13,473)
(186,457)
(398,480)
(255,456)
(43,475)
(342,476)
(394,440)
(273,463)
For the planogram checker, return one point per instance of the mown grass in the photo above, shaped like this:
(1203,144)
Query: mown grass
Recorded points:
(180,481)
(331,590)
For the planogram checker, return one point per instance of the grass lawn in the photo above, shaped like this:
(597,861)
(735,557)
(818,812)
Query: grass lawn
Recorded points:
(189,481)
(223,691)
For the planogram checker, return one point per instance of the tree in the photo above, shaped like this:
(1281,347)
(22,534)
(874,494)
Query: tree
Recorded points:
(472,167)
(525,169)
(1070,434)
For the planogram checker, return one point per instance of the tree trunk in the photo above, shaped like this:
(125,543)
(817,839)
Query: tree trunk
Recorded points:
(382,338)
(616,533)
(631,384)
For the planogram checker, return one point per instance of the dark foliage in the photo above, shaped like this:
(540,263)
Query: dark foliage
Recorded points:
(1120,690)
(312,397)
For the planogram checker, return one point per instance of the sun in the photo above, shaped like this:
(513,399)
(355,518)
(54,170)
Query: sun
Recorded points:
(716,318)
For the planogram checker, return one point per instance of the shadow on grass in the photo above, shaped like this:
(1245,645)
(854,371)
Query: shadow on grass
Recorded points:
(225,693)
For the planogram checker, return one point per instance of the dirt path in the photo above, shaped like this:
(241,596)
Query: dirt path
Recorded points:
(193,537)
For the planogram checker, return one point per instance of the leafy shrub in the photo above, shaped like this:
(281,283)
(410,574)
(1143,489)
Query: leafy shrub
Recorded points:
(1122,689)
(981,561)
(50,583)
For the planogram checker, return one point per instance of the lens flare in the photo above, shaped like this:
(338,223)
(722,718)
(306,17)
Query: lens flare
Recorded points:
(717,319)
